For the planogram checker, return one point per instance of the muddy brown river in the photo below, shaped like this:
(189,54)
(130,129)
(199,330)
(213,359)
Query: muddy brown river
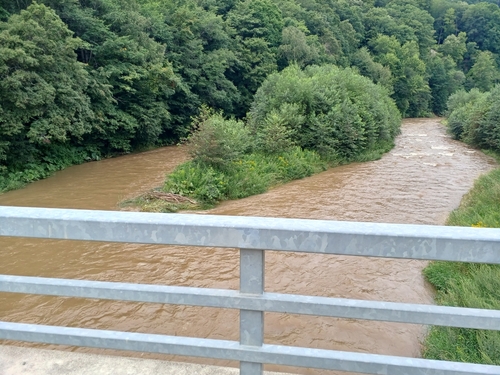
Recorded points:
(419,182)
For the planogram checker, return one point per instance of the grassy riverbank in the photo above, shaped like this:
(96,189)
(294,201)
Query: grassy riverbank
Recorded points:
(469,285)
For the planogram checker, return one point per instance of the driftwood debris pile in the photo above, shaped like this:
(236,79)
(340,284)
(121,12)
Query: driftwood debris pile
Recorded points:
(168,197)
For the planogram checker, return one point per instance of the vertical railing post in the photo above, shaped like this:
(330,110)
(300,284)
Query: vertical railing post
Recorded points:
(251,322)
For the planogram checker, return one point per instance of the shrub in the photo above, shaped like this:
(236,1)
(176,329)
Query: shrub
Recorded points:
(216,141)
(251,174)
(273,137)
(202,182)
(333,111)
(474,117)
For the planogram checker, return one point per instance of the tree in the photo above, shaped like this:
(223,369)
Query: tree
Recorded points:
(200,46)
(411,89)
(259,25)
(418,20)
(296,47)
(258,19)
(380,74)
(455,47)
(481,22)
(484,73)
(43,97)
(333,111)
(444,80)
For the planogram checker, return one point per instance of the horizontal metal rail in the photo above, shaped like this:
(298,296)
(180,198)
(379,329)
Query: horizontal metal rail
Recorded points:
(252,236)
(478,245)
(271,302)
(232,350)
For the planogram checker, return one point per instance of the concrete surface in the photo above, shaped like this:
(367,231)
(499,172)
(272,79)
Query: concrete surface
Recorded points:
(27,361)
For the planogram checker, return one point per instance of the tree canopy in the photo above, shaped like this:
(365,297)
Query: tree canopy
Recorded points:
(94,78)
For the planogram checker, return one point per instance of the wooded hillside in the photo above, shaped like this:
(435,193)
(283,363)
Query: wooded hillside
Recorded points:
(85,79)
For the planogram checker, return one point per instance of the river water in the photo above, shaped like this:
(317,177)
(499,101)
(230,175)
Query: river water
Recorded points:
(419,182)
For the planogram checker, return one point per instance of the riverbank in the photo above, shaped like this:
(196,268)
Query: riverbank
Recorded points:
(468,285)
(65,157)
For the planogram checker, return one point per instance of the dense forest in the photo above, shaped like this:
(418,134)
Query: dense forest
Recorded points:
(85,79)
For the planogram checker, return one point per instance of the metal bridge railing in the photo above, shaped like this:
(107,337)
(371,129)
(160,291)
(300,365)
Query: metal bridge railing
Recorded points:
(252,236)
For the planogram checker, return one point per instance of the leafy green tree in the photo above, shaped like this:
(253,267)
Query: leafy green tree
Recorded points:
(455,47)
(43,97)
(474,117)
(411,91)
(481,22)
(484,73)
(297,48)
(418,20)
(380,74)
(200,46)
(257,19)
(215,141)
(450,22)
(121,56)
(403,21)
(259,25)
(444,80)
(330,110)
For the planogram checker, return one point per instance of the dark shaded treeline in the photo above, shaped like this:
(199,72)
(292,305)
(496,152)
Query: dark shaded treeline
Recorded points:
(81,80)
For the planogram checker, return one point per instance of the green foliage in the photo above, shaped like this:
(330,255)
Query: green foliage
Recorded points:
(273,136)
(484,73)
(42,86)
(200,46)
(251,174)
(474,118)
(333,111)
(297,48)
(215,141)
(468,285)
(411,90)
(481,21)
(111,76)
(203,183)
(455,47)
(105,92)
(367,67)
(444,80)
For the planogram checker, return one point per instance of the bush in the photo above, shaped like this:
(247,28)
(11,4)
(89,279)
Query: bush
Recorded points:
(461,98)
(273,137)
(216,141)
(251,174)
(474,118)
(201,182)
(333,111)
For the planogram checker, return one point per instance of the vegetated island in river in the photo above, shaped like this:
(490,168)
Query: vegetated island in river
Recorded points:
(300,122)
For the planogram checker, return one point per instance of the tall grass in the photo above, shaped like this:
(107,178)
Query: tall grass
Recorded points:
(469,285)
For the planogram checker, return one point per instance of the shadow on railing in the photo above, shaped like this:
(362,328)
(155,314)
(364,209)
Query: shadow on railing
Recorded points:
(252,236)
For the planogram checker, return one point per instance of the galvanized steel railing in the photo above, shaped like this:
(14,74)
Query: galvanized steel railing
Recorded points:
(252,236)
